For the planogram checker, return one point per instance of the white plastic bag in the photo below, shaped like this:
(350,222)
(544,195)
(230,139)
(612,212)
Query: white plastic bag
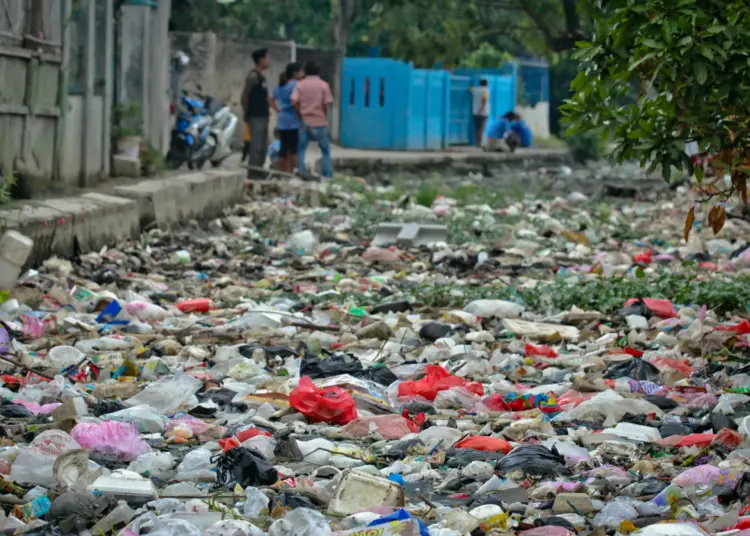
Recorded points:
(255,502)
(494,309)
(301,522)
(233,527)
(196,467)
(146,419)
(34,463)
(158,464)
(168,394)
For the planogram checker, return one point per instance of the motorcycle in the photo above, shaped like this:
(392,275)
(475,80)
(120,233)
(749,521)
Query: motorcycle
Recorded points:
(221,129)
(191,140)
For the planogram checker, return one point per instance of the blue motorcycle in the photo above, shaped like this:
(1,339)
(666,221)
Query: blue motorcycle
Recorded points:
(190,142)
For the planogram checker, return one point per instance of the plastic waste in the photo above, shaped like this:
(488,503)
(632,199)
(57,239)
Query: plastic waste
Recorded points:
(145,419)
(244,467)
(437,379)
(533,460)
(301,522)
(167,394)
(34,463)
(111,438)
(494,309)
(331,404)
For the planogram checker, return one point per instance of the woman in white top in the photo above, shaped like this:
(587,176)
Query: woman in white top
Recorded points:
(480,109)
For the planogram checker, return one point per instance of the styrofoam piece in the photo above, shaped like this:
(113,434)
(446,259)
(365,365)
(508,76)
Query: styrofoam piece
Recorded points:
(359,491)
(409,234)
(636,432)
(539,330)
(124,482)
(15,248)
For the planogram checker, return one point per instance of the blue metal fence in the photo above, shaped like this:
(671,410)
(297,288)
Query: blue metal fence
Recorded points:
(388,104)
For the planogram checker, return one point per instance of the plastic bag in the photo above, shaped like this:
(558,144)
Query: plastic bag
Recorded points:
(636,369)
(705,475)
(196,467)
(301,522)
(34,464)
(671,529)
(233,527)
(111,438)
(613,407)
(533,460)
(167,394)
(331,404)
(255,503)
(615,512)
(660,308)
(156,464)
(437,379)
(317,368)
(485,443)
(245,467)
(385,426)
(147,420)
(145,312)
(400,515)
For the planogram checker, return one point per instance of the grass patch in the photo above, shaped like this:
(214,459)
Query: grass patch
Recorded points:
(553,142)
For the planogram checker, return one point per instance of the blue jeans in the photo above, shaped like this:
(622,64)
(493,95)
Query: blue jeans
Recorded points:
(319,134)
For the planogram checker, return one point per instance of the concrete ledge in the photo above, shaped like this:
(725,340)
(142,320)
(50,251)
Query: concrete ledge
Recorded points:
(184,197)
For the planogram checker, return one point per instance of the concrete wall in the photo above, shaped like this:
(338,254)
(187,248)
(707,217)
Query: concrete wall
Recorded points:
(221,64)
(537,117)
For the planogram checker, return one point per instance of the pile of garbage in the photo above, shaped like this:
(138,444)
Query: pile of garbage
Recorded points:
(275,373)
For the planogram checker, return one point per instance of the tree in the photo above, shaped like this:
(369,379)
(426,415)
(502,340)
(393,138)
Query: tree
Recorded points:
(690,63)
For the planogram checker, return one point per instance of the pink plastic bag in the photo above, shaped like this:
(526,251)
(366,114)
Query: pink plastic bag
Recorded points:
(111,438)
(703,475)
(387,426)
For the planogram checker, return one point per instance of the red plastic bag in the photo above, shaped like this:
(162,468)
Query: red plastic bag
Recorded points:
(495,403)
(332,404)
(485,443)
(727,438)
(743,328)
(437,379)
(661,308)
(541,351)
(665,364)
(696,440)
(643,257)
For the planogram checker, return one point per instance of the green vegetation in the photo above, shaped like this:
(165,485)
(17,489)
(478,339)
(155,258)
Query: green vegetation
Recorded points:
(690,60)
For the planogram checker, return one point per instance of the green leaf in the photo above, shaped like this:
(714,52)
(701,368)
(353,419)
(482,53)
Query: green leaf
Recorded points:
(701,72)
(687,40)
(715,29)
(707,52)
(653,44)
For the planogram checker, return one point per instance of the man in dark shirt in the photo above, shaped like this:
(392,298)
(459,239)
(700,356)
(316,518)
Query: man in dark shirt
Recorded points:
(255,104)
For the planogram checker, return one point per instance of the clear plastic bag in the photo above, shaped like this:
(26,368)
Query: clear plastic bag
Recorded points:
(301,522)
(196,467)
(255,502)
(168,394)
(158,464)
(615,512)
(145,419)
(233,527)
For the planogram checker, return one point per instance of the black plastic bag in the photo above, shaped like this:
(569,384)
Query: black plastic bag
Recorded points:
(636,369)
(674,428)
(533,460)
(456,458)
(103,407)
(379,375)
(400,450)
(246,350)
(15,411)
(650,486)
(719,421)
(333,365)
(290,499)
(433,331)
(661,402)
(245,467)
(636,308)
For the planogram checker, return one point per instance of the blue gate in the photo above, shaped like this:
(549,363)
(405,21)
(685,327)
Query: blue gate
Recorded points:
(460,120)
(375,103)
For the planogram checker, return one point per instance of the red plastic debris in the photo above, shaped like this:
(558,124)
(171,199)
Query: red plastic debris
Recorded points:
(495,403)
(332,404)
(541,350)
(661,308)
(437,379)
(743,328)
(197,305)
(644,257)
(485,444)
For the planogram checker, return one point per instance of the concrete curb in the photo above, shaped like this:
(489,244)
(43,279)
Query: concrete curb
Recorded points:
(78,224)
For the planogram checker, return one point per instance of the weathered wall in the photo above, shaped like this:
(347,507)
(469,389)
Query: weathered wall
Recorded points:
(537,117)
(221,64)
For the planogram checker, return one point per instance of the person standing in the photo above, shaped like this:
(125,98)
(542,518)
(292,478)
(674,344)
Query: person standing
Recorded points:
(480,107)
(255,103)
(311,98)
(287,124)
